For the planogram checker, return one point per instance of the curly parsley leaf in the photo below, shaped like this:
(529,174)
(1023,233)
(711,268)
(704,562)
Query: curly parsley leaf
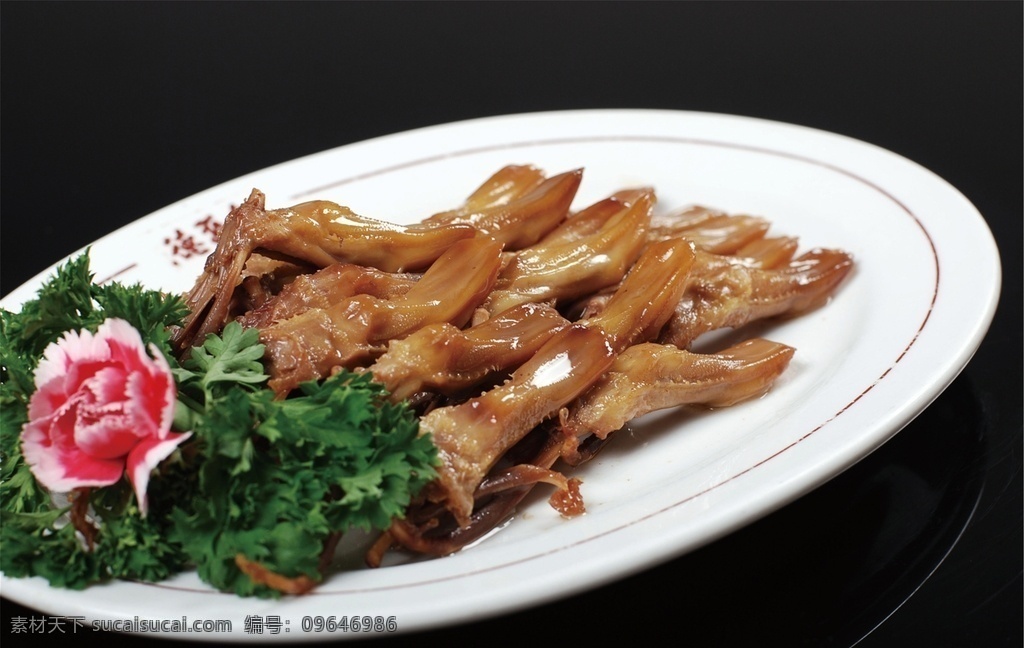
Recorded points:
(231,357)
(127,545)
(63,303)
(221,364)
(281,476)
(149,311)
(19,491)
(35,544)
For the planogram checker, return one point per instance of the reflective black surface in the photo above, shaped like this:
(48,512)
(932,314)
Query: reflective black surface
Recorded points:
(110,111)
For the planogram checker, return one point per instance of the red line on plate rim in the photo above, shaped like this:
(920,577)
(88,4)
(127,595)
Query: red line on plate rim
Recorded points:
(116,274)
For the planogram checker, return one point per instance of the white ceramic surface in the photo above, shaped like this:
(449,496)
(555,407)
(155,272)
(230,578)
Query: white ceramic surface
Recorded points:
(894,336)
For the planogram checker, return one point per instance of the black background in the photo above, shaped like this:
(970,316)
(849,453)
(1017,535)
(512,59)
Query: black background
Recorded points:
(113,110)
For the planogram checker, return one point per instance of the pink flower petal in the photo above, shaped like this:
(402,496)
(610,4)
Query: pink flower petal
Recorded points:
(148,396)
(105,432)
(144,458)
(73,347)
(125,344)
(61,466)
(47,399)
(170,391)
(107,384)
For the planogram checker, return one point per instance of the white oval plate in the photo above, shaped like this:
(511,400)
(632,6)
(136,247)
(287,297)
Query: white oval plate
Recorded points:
(895,335)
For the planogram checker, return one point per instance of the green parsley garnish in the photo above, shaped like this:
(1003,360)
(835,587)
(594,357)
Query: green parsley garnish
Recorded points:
(261,481)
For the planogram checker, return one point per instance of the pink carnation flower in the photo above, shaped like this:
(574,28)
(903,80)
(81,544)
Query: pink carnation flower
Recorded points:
(102,406)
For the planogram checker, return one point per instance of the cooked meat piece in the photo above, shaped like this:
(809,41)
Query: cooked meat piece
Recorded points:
(470,437)
(591,219)
(445,359)
(515,209)
(326,287)
(648,377)
(769,252)
(318,233)
(353,331)
(709,230)
(559,269)
(646,298)
(726,293)
(507,184)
